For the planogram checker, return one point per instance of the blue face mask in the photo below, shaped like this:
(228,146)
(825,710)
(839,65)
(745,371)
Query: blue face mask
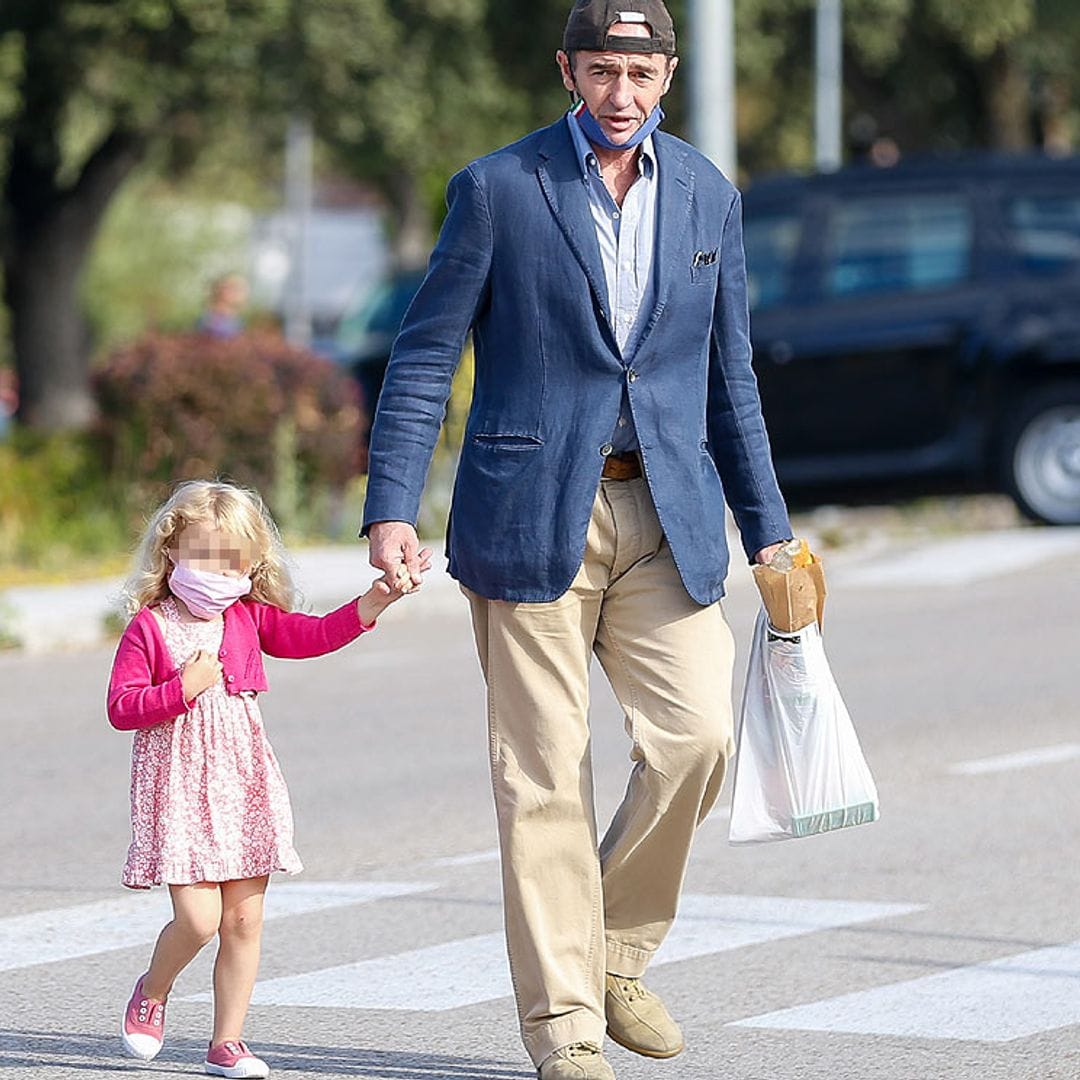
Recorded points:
(595,133)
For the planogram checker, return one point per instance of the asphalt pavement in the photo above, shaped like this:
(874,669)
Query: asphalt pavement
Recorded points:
(941,942)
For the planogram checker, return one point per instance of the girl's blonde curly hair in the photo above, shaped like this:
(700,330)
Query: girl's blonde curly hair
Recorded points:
(232,510)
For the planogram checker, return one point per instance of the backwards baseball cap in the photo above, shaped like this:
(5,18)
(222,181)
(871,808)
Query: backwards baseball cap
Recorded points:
(590,22)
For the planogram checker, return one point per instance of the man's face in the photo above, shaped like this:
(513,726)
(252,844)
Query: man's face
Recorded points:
(620,89)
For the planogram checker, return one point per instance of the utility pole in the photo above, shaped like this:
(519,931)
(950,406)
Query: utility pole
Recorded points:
(298,198)
(828,98)
(712,82)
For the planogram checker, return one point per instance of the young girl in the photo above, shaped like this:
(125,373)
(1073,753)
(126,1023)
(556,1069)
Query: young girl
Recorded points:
(210,813)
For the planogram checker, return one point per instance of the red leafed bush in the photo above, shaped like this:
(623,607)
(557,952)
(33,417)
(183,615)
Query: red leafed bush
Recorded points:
(252,408)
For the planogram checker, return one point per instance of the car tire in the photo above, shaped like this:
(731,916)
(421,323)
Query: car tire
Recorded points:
(1041,454)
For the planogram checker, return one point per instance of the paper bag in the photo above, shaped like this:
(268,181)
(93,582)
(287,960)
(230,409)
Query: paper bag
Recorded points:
(792,598)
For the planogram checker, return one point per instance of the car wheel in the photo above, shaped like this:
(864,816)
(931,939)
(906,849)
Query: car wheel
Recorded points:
(1042,454)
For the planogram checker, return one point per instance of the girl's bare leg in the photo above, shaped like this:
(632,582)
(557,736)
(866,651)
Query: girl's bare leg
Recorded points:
(238,955)
(196,917)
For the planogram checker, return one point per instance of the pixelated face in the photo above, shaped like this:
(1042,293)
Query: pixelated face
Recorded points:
(202,547)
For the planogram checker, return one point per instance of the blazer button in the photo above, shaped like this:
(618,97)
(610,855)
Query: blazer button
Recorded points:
(606,449)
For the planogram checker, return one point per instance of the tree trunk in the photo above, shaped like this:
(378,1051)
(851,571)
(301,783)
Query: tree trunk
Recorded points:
(48,332)
(1008,102)
(52,235)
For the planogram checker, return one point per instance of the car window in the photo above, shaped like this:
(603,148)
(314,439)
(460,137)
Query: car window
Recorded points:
(1046,231)
(771,242)
(899,244)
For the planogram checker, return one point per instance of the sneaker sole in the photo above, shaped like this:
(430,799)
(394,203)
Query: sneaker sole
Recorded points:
(235,1072)
(655,1054)
(132,1051)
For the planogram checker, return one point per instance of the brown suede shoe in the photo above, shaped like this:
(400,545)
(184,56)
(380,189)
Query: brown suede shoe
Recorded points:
(637,1019)
(579,1061)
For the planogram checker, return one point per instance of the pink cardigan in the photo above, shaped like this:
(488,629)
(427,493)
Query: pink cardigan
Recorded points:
(145,688)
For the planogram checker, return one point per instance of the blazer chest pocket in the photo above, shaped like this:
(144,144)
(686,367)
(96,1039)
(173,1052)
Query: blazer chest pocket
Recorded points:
(507,441)
(704,266)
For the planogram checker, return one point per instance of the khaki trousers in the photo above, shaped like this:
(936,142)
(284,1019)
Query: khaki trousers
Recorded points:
(572,909)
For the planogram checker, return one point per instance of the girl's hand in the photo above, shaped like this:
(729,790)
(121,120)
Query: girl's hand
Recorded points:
(199,674)
(386,590)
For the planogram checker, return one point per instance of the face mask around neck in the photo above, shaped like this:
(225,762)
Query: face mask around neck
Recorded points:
(205,594)
(595,133)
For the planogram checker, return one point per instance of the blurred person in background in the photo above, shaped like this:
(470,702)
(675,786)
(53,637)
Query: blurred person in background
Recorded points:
(223,317)
(598,264)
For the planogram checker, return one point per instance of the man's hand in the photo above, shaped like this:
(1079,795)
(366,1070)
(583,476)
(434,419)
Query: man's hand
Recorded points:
(394,545)
(764,556)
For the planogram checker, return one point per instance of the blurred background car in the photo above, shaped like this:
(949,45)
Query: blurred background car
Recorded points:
(918,323)
(366,332)
(923,321)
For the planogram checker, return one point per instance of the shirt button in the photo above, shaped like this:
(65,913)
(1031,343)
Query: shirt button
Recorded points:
(606,449)
(622,421)
(616,215)
(232,678)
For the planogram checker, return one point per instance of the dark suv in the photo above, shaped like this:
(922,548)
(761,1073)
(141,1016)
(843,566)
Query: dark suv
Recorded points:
(923,319)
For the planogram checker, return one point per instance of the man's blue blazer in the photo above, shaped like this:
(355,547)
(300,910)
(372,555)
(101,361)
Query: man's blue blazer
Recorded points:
(518,264)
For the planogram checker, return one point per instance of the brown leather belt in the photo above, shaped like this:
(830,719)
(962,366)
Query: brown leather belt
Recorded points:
(622,466)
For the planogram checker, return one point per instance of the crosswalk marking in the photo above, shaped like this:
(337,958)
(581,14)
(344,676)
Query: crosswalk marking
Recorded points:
(1043,755)
(473,970)
(44,937)
(998,1001)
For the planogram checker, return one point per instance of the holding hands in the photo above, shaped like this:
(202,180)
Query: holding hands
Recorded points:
(395,549)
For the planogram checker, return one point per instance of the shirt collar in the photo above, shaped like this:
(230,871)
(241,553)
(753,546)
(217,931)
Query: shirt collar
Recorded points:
(586,155)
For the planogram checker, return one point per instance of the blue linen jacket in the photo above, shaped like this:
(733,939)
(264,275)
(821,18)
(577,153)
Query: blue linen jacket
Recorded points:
(518,264)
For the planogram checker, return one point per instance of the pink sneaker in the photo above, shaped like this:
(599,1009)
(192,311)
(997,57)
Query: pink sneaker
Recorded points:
(143,1029)
(234,1059)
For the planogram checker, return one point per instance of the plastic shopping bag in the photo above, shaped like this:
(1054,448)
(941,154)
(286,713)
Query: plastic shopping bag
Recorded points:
(800,769)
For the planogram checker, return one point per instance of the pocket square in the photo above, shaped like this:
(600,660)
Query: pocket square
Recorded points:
(704,258)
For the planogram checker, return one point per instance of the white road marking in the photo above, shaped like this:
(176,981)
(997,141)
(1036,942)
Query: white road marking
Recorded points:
(471,859)
(1024,759)
(473,970)
(45,937)
(975,557)
(999,1001)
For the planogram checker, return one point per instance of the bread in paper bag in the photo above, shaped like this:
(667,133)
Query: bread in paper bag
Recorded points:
(793,598)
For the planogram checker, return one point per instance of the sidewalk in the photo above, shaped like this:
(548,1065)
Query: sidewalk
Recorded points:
(42,618)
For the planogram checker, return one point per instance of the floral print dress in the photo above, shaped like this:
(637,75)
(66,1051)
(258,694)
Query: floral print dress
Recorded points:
(208,801)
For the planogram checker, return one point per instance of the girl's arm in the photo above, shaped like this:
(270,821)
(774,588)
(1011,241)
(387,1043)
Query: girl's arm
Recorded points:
(292,635)
(134,700)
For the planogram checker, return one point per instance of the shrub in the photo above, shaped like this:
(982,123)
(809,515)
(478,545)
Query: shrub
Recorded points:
(252,408)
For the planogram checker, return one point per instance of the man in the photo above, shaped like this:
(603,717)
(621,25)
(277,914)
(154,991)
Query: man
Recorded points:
(598,264)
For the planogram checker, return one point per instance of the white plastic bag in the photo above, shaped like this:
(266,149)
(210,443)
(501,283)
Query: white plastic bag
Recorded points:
(799,770)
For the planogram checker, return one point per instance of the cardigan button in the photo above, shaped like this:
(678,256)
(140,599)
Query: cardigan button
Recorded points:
(232,678)
(223,652)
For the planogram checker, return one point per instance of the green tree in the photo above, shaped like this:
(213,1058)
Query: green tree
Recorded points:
(91,88)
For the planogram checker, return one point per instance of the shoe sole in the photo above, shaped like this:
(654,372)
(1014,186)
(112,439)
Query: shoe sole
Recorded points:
(655,1054)
(236,1071)
(130,1050)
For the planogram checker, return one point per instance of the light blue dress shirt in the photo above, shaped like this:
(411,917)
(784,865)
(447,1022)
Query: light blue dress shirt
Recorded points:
(627,238)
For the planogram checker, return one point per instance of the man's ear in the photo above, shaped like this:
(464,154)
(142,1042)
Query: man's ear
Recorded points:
(567,71)
(673,63)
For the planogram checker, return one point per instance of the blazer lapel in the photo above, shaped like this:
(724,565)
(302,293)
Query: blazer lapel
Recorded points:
(563,185)
(674,200)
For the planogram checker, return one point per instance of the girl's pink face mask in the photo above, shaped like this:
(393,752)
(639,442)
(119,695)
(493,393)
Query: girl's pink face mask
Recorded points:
(205,594)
